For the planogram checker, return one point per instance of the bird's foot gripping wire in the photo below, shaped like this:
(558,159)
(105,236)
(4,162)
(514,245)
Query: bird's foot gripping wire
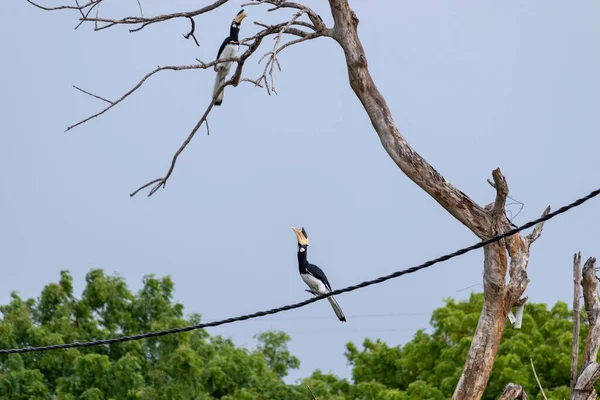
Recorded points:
(311,292)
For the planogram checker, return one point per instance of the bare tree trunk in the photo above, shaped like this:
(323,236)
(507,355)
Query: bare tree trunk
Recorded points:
(590,369)
(576,318)
(499,297)
(484,222)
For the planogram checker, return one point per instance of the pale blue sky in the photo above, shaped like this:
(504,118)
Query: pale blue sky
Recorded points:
(472,85)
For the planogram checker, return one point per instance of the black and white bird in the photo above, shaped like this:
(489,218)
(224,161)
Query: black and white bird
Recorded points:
(312,275)
(229,49)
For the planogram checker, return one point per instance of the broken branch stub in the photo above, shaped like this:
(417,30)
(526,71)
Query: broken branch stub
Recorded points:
(590,369)
(512,391)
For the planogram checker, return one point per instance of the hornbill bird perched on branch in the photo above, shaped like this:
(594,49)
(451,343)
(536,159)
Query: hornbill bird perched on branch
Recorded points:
(229,49)
(312,275)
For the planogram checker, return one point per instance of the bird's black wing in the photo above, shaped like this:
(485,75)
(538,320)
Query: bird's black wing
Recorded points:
(225,43)
(319,274)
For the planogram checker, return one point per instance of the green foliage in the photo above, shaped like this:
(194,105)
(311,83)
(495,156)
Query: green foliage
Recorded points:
(20,383)
(191,365)
(273,346)
(195,365)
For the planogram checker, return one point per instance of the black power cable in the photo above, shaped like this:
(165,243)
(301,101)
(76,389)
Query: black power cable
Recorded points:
(311,300)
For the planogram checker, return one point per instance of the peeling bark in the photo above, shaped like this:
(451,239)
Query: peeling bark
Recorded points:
(499,297)
(592,306)
(512,391)
(584,387)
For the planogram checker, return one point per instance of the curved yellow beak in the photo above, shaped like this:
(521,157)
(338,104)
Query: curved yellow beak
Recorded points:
(241,15)
(302,239)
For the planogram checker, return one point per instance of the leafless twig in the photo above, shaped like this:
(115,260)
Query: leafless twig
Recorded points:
(97,16)
(234,81)
(314,17)
(256,83)
(145,21)
(77,7)
(141,20)
(141,10)
(469,287)
(252,41)
(518,203)
(273,55)
(97,4)
(141,82)
(145,186)
(537,379)
(161,182)
(207,128)
(93,95)
(191,33)
(273,59)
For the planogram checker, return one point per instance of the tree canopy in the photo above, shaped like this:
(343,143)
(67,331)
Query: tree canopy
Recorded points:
(196,365)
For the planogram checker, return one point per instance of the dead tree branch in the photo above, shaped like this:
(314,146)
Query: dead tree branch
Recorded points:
(141,20)
(161,182)
(145,21)
(512,391)
(141,9)
(538,380)
(590,369)
(315,19)
(576,317)
(93,95)
(191,32)
(273,60)
(255,40)
(234,81)
(592,306)
(87,12)
(273,55)
(77,7)
(140,83)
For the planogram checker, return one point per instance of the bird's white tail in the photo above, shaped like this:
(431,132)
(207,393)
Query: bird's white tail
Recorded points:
(336,308)
(219,80)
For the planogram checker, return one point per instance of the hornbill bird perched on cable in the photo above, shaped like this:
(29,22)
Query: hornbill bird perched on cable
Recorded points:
(229,49)
(312,275)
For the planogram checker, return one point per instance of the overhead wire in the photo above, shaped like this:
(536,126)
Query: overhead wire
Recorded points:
(314,299)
